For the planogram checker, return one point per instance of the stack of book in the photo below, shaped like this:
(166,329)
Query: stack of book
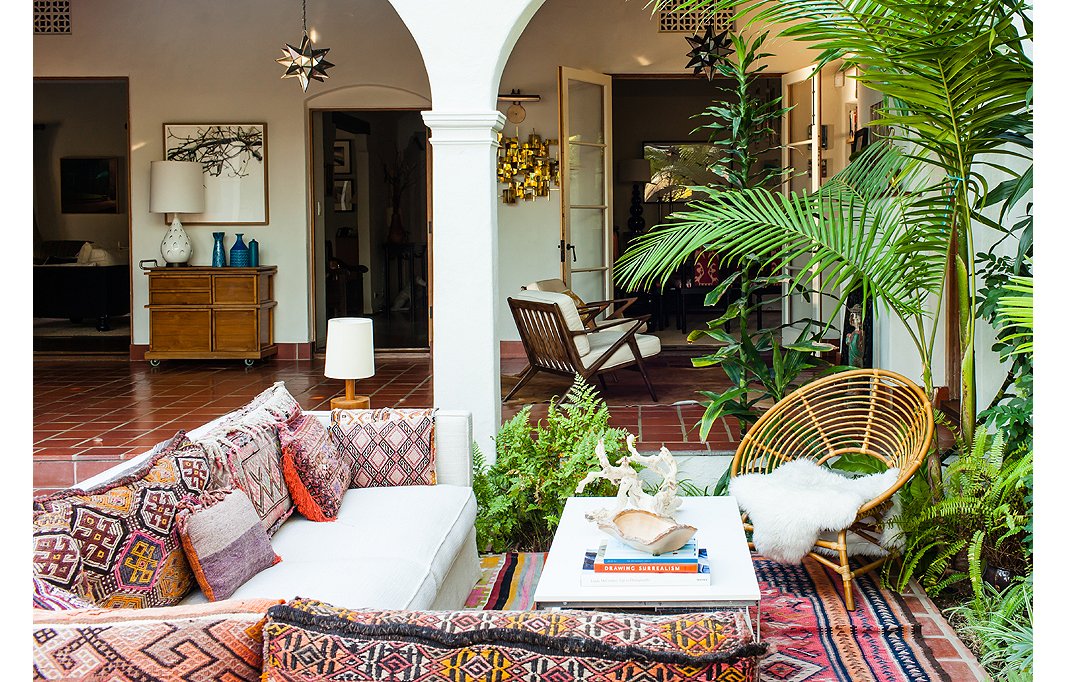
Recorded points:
(615,563)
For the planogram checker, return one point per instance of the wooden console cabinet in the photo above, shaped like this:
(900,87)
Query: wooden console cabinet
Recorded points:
(209,313)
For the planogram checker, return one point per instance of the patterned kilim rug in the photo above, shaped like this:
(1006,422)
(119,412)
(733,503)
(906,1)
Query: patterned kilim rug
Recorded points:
(812,637)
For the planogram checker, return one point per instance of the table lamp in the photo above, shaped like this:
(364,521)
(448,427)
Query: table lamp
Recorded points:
(349,356)
(637,171)
(176,187)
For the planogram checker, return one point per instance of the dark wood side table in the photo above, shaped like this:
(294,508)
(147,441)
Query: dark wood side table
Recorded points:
(209,313)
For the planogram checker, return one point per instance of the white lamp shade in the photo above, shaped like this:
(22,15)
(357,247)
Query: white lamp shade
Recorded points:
(634,170)
(177,187)
(349,348)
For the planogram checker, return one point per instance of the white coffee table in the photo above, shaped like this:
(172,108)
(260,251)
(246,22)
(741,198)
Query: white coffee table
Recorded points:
(733,584)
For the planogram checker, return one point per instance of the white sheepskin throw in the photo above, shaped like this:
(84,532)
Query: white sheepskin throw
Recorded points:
(792,505)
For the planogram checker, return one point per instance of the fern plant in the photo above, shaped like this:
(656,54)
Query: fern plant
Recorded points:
(982,516)
(1003,629)
(522,495)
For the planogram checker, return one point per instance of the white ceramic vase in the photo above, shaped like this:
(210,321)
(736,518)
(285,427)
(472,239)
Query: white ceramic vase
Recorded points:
(176,247)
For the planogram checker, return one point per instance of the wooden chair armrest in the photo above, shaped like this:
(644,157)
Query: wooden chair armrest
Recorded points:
(621,304)
(614,323)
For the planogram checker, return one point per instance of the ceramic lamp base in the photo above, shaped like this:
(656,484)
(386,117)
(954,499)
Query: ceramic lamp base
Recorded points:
(359,402)
(176,248)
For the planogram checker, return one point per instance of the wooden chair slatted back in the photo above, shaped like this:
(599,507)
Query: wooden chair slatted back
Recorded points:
(548,343)
(872,412)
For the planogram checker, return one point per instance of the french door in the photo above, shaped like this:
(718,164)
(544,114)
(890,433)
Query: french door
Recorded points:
(801,150)
(585,244)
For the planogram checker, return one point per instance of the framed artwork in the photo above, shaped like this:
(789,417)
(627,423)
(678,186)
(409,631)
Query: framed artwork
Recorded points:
(676,166)
(342,157)
(235,170)
(89,185)
(342,196)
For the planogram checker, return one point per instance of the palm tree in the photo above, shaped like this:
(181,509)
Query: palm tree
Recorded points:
(957,85)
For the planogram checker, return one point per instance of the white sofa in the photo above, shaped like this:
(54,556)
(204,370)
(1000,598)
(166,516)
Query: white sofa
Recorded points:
(410,547)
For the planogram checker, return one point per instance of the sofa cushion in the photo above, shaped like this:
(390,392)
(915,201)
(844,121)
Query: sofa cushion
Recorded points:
(220,641)
(309,639)
(316,472)
(56,555)
(275,401)
(224,541)
(363,560)
(51,598)
(125,530)
(601,342)
(390,447)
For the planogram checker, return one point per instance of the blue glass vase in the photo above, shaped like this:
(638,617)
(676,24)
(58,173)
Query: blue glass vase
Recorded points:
(218,252)
(253,254)
(238,253)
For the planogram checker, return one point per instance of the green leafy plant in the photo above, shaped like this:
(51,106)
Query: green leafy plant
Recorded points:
(984,517)
(521,496)
(1003,630)
(957,87)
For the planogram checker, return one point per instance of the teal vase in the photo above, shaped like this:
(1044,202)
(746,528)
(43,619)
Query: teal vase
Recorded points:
(253,254)
(238,253)
(218,252)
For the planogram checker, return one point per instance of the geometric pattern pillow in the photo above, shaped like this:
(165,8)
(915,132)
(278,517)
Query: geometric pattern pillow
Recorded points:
(391,447)
(275,401)
(48,596)
(125,531)
(305,639)
(247,456)
(213,641)
(318,475)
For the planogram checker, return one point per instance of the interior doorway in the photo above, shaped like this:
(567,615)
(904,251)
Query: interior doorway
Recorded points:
(370,215)
(81,218)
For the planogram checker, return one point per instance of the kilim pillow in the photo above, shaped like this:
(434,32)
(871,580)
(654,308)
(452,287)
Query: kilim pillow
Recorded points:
(317,473)
(56,555)
(306,639)
(224,541)
(247,455)
(125,530)
(275,401)
(48,596)
(390,447)
(217,641)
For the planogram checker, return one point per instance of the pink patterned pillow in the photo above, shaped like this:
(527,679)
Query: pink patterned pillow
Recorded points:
(48,596)
(317,473)
(391,447)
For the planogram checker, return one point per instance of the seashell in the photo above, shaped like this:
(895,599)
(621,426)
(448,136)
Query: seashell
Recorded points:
(647,531)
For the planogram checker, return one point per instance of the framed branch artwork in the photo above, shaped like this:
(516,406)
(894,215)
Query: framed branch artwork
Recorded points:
(235,170)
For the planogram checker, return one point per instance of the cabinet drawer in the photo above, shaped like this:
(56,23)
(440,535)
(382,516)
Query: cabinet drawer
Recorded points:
(180,330)
(236,330)
(174,283)
(179,297)
(235,289)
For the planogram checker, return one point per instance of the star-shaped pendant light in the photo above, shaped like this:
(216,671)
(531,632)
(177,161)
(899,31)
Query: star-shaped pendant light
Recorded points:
(706,50)
(305,63)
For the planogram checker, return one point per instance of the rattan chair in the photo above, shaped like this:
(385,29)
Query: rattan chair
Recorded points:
(870,412)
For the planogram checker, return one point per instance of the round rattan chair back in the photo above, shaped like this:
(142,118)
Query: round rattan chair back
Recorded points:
(871,412)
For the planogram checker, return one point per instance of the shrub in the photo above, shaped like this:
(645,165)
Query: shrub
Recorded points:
(521,497)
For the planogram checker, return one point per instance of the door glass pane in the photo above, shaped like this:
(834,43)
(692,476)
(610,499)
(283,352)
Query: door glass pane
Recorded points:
(586,111)
(799,160)
(586,235)
(801,118)
(586,181)
(590,286)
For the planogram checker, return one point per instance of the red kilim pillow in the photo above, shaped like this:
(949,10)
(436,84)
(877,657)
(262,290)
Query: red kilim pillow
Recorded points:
(390,447)
(318,475)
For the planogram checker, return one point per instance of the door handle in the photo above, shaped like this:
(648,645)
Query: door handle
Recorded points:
(573,251)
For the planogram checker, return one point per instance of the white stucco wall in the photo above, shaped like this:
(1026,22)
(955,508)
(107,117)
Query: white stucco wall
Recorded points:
(203,61)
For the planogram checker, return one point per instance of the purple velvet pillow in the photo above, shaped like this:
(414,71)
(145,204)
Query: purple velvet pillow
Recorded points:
(224,541)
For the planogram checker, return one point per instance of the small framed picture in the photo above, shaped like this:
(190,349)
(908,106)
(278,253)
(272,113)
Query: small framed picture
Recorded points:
(342,196)
(342,157)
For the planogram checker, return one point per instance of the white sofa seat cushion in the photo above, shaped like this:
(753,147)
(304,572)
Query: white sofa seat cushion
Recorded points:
(397,543)
(569,310)
(601,342)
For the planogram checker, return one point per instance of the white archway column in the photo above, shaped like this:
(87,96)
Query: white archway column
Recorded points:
(466,346)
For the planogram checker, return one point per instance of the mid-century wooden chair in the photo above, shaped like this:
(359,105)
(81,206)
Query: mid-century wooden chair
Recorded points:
(557,341)
(590,310)
(870,412)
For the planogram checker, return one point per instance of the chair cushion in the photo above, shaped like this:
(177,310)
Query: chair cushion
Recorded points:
(360,560)
(569,310)
(600,342)
(305,637)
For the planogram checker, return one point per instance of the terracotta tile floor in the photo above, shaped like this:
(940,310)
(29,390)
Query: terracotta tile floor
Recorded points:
(90,413)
